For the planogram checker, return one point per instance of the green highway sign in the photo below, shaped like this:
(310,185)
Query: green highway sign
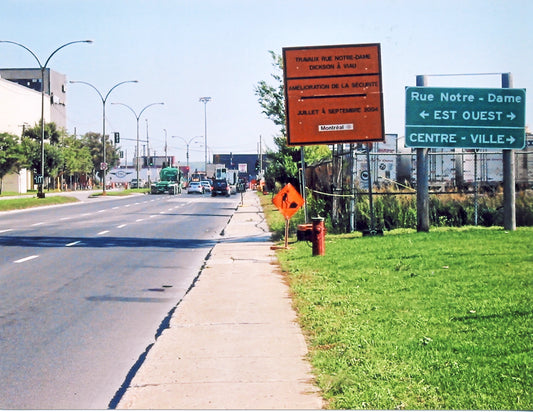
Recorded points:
(465,118)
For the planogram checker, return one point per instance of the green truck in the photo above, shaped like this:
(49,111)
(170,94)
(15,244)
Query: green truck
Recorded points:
(169,182)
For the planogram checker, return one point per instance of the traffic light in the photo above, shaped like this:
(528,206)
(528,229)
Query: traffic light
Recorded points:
(117,137)
(257,165)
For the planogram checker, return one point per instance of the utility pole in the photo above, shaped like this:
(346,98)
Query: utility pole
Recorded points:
(148,154)
(260,154)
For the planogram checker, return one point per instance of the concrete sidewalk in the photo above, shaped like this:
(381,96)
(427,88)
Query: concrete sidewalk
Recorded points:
(233,341)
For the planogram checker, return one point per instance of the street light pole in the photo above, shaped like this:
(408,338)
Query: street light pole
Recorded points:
(187,143)
(166,152)
(137,117)
(104,100)
(40,193)
(205,100)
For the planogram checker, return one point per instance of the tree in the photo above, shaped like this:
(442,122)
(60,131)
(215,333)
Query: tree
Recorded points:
(31,152)
(10,155)
(77,160)
(51,133)
(53,156)
(272,98)
(77,157)
(283,165)
(93,141)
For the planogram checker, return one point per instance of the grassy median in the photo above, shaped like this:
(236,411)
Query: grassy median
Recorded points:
(438,320)
(29,202)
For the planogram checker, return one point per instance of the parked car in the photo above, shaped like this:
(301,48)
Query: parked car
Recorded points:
(137,185)
(195,187)
(220,187)
(207,185)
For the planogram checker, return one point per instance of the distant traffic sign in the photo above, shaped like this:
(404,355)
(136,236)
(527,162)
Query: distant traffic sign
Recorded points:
(465,118)
(333,94)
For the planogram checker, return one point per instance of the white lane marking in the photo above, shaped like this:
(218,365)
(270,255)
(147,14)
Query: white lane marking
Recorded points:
(38,224)
(103,232)
(5,230)
(66,218)
(120,226)
(116,207)
(102,210)
(86,214)
(139,220)
(151,216)
(162,212)
(73,243)
(127,205)
(26,259)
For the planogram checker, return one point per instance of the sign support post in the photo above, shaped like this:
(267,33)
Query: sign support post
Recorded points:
(422,184)
(509,209)
(304,195)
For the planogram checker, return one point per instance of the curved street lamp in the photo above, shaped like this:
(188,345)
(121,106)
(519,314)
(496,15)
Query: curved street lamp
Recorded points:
(187,143)
(104,100)
(137,117)
(40,193)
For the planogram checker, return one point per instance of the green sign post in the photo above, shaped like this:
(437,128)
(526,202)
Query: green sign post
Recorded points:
(465,118)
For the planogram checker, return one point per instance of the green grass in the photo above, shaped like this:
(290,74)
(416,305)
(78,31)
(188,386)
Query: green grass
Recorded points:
(124,192)
(28,202)
(438,320)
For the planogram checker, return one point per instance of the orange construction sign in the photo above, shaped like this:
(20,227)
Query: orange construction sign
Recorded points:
(333,94)
(288,201)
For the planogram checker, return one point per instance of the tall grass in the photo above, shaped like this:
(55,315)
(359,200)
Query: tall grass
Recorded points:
(393,211)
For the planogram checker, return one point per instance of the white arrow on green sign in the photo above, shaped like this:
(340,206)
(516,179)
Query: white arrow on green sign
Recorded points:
(465,118)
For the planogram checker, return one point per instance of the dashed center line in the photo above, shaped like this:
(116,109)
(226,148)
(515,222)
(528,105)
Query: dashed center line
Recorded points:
(5,230)
(38,224)
(121,226)
(73,243)
(103,232)
(26,259)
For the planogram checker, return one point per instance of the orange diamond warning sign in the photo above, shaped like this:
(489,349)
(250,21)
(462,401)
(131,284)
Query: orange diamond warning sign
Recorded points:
(288,201)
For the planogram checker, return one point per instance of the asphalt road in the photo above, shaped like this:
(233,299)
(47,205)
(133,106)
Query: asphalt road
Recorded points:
(85,288)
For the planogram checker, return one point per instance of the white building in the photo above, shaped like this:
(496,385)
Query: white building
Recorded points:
(20,107)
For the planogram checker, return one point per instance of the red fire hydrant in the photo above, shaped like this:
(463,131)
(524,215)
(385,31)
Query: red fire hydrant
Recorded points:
(319,236)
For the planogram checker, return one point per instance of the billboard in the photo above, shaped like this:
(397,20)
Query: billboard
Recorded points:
(333,94)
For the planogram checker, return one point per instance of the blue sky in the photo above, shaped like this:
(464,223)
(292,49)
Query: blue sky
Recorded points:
(182,50)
